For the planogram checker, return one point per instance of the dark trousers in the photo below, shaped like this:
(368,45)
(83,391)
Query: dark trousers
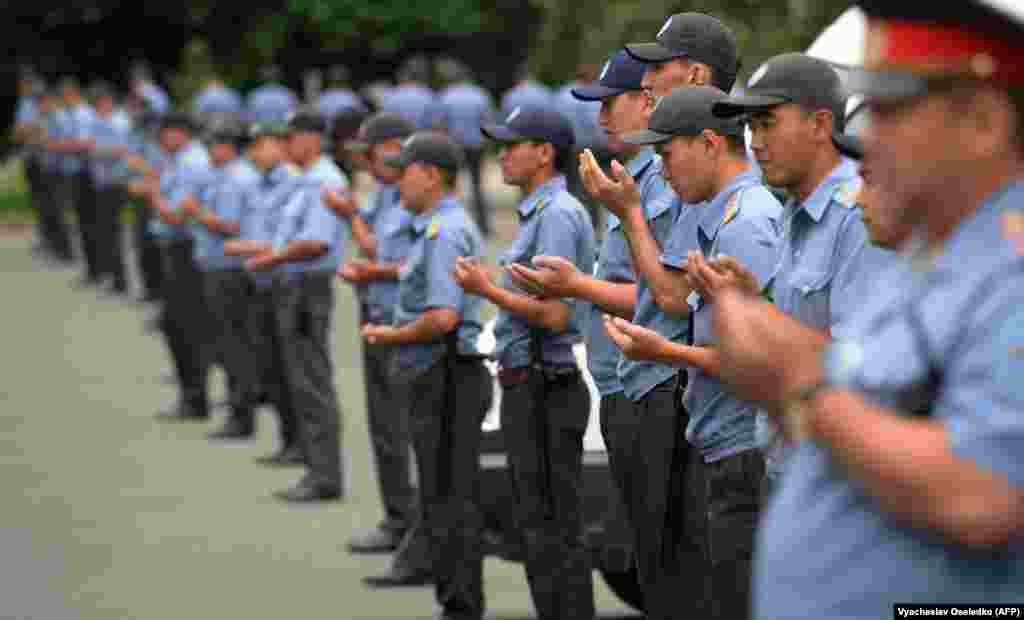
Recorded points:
(481,208)
(304,306)
(447,404)
(388,420)
(264,372)
(226,293)
(147,253)
(62,187)
(731,501)
(84,200)
(619,426)
(668,540)
(110,200)
(543,421)
(186,322)
(46,196)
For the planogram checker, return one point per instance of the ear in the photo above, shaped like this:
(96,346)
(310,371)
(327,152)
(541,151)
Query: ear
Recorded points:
(989,120)
(547,154)
(823,124)
(700,74)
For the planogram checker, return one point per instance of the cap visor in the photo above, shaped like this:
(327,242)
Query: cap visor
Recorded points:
(885,85)
(848,146)
(647,136)
(596,92)
(501,133)
(652,52)
(737,106)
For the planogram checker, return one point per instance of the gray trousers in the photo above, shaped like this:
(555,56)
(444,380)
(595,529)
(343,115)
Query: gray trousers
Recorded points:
(263,372)
(304,306)
(226,294)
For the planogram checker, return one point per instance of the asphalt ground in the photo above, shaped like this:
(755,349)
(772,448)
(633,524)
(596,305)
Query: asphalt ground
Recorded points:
(109,514)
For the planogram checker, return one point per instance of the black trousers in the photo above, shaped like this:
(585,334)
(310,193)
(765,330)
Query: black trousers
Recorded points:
(46,196)
(668,539)
(543,421)
(304,306)
(619,426)
(84,200)
(731,501)
(447,404)
(147,253)
(226,293)
(481,208)
(263,371)
(388,420)
(186,322)
(110,200)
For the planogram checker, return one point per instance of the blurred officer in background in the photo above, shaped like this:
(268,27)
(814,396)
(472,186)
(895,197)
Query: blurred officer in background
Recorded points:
(411,99)
(435,331)
(344,133)
(525,93)
(271,101)
(216,98)
(545,403)
(145,87)
(586,127)
(142,161)
(338,96)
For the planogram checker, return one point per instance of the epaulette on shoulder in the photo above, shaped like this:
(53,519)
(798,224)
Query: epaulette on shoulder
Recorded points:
(732,209)
(848,193)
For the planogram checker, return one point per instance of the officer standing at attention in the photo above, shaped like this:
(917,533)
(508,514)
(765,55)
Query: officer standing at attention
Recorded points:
(434,332)
(216,214)
(692,49)
(216,98)
(376,276)
(907,477)
(185,321)
(142,159)
(705,161)
(612,288)
(271,101)
(308,246)
(411,99)
(545,404)
(794,103)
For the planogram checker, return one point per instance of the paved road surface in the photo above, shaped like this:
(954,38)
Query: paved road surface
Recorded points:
(110,515)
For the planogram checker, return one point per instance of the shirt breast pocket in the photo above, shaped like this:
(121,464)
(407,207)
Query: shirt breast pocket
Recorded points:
(811,294)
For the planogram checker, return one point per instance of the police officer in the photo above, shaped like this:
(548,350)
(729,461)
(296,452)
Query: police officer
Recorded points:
(215,215)
(545,403)
(185,321)
(794,102)
(692,49)
(435,330)
(705,161)
(526,92)
(308,245)
(376,275)
(141,161)
(216,97)
(145,87)
(906,477)
(586,127)
(411,99)
(271,101)
(338,96)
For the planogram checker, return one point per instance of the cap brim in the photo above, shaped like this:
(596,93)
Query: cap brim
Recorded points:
(743,104)
(652,52)
(849,146)
(646,137)
(501,133)
(885,85)
(596,92)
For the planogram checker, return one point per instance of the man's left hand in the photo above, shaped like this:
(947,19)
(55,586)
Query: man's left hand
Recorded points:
(471,276)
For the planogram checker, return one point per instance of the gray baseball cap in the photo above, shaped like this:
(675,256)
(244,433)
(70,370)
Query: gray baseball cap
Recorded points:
(699,37)
(428,147)
(789,78)
(686,112)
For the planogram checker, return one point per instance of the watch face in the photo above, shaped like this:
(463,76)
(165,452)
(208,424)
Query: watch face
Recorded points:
(841,361)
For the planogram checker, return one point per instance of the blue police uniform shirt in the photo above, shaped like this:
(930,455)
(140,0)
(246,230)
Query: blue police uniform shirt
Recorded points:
(392,227)
(270,103)
(26,111)
(742,221)
(824,254)
(462,108)
(583,115)
(526,94)
(426,282)
(186,174)
(217,99)
(305,217)
(552,223)
(75,124)
(110,131)
(334,100)
(225,198)
(614,264)
(664,213)
(825,549)
(156,97)
(413,102)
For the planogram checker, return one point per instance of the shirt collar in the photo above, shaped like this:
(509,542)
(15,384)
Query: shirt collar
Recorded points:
(820,198)
(421,220)
(186,151)
(714,213)
(539,195)
(641,162)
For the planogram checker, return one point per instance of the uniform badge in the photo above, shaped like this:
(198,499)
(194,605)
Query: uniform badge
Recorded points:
(435,228)
(541,205)
(847,194)
(1013,228)
(732,209)
(292,169)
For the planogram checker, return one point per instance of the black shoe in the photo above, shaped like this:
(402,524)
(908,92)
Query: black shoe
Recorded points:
(377,540)
(309,492)
(400,578)
(234,429)
(184,413)
(285,457)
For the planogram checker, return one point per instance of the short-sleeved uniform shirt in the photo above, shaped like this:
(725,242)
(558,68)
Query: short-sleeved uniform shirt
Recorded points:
(75,124)
(217,99)
(413,102)
(742,221)
(305,217)
(187,174)
(107,131)
(224,197)
(551,223)
(392,227)
(528,94)
(262,206)
(943,338)
(462,108)
(426,282)
(270,103)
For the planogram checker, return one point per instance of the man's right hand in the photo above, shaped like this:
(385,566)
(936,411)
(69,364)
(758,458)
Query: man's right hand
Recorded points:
(618,195)
(555,277)
(343,205)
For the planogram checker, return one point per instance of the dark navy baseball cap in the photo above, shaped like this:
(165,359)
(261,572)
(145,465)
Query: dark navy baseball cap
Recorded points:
(621,73)
(532,124)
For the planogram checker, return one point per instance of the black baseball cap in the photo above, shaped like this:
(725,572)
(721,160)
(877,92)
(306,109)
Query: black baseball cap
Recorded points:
(685,112)
(381,127)
(226,129)
(428,147)
(177,119)
(307,122)
(532,124)
(621,73)
(697,36)
(789,78)
(848,141)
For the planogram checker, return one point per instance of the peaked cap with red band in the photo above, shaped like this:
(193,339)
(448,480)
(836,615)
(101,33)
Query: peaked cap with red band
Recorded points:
(910,43)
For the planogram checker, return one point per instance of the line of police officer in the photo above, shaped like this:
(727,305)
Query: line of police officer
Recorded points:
(888,423)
